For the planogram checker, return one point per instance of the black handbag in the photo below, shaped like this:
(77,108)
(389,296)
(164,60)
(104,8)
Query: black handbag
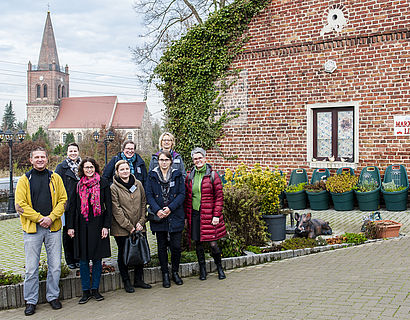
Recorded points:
(136,250)
(152,216)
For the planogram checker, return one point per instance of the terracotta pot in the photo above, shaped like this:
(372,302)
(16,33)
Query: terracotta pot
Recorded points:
(387,229)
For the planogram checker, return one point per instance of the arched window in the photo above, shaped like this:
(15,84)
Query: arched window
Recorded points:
(79,137)
(59,91)
(63,91)
(44,91)
(38,91)
(64,137)
(129,136)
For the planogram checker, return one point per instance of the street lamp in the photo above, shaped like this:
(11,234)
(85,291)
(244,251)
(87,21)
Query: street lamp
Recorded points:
(109,137)
(8,136)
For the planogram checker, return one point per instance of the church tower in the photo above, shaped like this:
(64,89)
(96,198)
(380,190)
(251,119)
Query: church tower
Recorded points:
(47,83)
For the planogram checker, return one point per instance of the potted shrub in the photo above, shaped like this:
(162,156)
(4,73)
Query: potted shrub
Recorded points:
(317,195)
(395,188)
(368,189)
(380,229)
(296,196)
(341,188)
(268,185)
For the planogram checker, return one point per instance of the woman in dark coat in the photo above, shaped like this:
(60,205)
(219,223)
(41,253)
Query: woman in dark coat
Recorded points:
(68,171)
(165,193)
(203,206)
(88,223)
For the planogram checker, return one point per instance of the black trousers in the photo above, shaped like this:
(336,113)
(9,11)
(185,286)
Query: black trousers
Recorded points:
(68,245)
(138,270)
(172,240)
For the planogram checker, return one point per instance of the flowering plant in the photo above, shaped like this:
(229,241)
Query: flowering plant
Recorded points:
(268,184)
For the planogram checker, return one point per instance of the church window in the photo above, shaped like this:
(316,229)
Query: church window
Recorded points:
(63,91)
(79,137)
(59,91)
(38,91)
(129,136)
(64,137)
(44,91)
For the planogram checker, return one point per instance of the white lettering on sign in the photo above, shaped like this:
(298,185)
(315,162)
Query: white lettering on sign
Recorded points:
(402,125)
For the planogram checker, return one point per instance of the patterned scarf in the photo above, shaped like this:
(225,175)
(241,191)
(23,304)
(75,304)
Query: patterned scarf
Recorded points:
(89,188)
(73,165)
(129,160)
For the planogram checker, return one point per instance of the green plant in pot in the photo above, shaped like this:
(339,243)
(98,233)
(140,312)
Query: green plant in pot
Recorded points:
(268,185)
(317,195)
(295,187)
(367,186)
(316,187)
(341,188)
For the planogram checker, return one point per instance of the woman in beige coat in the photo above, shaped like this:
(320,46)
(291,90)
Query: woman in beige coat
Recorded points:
(129,207)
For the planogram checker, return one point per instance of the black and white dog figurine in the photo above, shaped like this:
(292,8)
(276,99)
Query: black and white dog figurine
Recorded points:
(310,228)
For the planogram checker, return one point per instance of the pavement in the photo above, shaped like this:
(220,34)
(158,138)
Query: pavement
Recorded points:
(370,281)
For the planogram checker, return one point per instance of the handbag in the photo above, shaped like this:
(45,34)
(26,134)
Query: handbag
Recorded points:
(152,216)
(136,250)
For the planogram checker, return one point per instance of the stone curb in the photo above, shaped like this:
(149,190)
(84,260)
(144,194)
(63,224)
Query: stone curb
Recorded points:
(6,216)
(11,296)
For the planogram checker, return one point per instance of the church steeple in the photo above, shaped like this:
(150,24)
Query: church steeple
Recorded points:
(48,52)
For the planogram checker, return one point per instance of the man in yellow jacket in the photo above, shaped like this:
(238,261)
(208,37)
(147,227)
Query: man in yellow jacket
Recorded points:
(41,196)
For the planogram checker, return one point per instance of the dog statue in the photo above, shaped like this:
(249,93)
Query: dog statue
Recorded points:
(310,228)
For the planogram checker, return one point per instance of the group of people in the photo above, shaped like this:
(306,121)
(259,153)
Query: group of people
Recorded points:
(89,206)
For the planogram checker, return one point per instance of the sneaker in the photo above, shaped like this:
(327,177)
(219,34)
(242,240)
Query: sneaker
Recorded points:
(86,296)
(97,296)
(55,304)
(71,266)
(30,309)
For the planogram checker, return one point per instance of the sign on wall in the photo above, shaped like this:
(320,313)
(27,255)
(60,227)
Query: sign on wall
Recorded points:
(402,125)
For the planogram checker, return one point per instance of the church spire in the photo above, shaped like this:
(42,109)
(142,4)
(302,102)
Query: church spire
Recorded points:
(48,52)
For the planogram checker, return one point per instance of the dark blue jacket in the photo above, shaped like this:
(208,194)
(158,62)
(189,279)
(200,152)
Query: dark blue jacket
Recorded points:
(140,170)
(175,222)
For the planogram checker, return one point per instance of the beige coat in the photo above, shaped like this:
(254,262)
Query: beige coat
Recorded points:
(127,208)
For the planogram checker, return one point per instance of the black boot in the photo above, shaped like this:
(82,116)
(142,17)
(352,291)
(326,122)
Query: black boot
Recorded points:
(128,287)
(96,294)
(139,279)
(201,261)
(86,296)
(166,282)
(176,278)
(218,262)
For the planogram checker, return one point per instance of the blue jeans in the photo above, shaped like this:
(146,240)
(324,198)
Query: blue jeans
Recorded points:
(32,248)
(85,274)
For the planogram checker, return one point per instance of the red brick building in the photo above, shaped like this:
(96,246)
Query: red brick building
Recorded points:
(320,80)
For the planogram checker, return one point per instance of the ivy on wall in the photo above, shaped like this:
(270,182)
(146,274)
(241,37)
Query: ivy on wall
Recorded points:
(192,75)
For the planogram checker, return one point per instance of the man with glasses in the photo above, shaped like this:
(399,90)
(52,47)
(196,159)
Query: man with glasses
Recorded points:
(137,164)
(41,197)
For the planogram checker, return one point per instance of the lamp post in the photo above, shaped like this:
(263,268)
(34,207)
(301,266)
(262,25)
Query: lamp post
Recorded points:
(8,136)
(109,137)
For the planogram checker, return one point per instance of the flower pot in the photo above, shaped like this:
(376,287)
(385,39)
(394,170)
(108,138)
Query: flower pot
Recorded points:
(368,201)
(296,200)
(397,200)
(318,200)
(343,201)
(276,224)
(387,229)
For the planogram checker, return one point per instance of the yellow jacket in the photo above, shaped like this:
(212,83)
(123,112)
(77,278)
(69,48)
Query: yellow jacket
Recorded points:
(29,218)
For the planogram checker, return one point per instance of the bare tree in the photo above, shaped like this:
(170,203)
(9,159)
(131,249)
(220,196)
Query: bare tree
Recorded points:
(167,20)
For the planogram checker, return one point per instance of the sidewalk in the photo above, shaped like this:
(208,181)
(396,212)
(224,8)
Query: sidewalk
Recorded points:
(363,282)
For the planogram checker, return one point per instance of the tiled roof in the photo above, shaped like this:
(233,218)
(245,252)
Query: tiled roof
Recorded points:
(129,115)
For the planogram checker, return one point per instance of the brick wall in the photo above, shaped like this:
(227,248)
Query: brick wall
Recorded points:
(282,73)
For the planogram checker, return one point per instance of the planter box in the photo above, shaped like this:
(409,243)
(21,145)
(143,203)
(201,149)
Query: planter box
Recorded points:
(368,201)
(296,200)
(343,201)
(387,230)
(318,200)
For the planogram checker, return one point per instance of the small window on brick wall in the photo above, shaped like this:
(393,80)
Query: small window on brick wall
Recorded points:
(333,134)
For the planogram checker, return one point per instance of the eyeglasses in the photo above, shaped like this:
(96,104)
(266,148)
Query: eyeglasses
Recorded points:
(166,140)
(89,168)
(164,160)
(129,149)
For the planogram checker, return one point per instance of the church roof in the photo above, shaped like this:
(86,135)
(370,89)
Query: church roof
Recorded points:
(95,112)
(48,51)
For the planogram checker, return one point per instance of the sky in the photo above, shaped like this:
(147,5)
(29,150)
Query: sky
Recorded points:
(93,38)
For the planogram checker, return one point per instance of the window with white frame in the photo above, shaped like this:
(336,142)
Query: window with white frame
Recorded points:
(64,137)
(333,132)
(79,137)
(129,136)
